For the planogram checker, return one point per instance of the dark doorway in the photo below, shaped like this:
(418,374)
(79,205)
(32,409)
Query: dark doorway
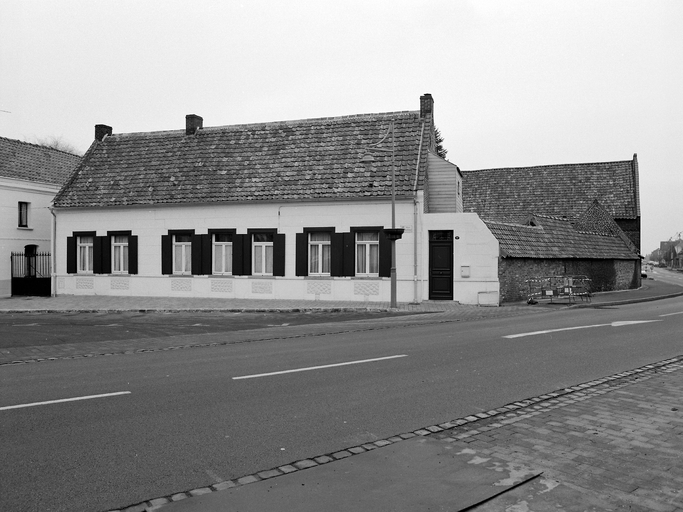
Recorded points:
(441,265)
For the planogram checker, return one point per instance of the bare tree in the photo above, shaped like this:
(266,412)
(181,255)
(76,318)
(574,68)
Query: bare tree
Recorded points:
(58,143)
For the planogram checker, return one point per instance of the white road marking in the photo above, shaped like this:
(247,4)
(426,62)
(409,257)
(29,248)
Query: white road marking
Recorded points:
(671,314)
(318,367)
(613,324)
(104,395)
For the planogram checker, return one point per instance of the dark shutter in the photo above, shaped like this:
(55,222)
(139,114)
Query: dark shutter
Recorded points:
(246,255)
(71,265)
(207,254)
(337,254)
(302,254)
(349,263)
(105,254)
(132,254)
(384,255)
(166,255)
(278,254)
(97,255)
(197,255)
(237,243)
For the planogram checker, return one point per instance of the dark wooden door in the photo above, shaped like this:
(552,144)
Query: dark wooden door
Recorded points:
(441,265)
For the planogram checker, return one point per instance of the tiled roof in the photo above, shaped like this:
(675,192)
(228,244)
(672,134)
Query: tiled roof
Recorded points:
(552,237)
(291,160)
(559,190)
(23,161)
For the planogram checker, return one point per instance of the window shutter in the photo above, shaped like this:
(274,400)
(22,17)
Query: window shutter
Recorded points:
(337,254)
(197,255)
(207,254)
(97,255)
(166,255)
(237,243)
(349,263)
(384,255)
(302,254)
(279,254)
(105,253)
(71,266)
(133,254)
(246,255)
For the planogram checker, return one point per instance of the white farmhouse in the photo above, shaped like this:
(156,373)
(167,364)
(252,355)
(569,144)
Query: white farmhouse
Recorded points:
(283,210)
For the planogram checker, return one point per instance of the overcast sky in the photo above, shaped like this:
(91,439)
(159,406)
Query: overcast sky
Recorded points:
(515,83)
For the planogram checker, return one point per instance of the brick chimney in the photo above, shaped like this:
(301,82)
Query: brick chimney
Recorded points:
(102,131)
(193,123)
(426,105)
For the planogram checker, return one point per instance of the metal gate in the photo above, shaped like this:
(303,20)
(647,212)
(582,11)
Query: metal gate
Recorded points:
(31,273)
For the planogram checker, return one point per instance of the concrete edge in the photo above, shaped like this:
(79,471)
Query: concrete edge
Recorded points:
(458,429)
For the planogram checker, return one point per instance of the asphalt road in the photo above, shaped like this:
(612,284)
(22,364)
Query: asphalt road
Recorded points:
(35,329)
(188,420)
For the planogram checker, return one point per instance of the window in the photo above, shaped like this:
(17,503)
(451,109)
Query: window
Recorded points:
(23,214)
(319,253)
(222,254)
(262,254)
(367,253)
(85,253)
(119,254)
(182,254)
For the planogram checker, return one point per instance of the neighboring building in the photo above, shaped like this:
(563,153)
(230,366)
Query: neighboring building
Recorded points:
(543,246)
(671,253)
(565,190)
(30,176)
(283,210)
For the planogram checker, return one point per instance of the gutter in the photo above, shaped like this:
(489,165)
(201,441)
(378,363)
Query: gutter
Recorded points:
(53,247)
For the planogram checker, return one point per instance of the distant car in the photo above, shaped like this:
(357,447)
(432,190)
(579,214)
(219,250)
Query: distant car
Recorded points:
(643,274)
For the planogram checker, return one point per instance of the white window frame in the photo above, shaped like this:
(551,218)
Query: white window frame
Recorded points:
(119,254)
(366,258)
(259,254)
(319,254)
(184,266)
(222,266)
(26,207)
(84,253)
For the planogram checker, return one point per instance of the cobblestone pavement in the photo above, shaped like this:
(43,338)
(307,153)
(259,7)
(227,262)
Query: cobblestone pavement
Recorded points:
(612,444)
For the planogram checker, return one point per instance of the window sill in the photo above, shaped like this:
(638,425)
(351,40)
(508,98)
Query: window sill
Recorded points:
(25,228)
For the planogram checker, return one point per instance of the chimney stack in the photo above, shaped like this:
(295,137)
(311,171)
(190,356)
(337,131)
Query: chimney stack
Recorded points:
(102,131)
(426,105)
(193,123)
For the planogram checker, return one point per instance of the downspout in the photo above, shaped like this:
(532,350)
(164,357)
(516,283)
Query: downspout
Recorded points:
(415,216)
(53,247)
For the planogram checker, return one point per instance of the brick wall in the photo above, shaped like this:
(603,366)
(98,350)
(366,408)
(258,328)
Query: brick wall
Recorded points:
(605,275)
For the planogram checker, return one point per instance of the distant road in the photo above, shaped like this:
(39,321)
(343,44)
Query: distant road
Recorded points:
(667,276)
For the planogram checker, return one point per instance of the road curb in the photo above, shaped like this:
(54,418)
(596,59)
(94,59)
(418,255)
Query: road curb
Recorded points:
(450,431)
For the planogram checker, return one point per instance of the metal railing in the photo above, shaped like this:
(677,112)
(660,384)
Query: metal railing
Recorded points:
(32,265)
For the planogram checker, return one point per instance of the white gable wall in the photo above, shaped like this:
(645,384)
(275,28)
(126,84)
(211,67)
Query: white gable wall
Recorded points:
(14,238)
(149,224)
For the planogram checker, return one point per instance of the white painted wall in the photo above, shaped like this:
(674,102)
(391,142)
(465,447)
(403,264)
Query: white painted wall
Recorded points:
(149,224)
(14,238)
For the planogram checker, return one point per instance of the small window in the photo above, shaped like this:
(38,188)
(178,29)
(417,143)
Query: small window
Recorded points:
(367,253)
(119,254)
(319,253)
(23,214)
(182,254)
(85,254)
(262,254)
(222,254)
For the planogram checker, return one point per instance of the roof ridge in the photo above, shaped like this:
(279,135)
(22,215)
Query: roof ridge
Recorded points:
(293,122)
(548,165)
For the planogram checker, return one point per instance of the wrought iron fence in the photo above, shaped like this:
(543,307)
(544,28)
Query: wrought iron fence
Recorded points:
(31,265)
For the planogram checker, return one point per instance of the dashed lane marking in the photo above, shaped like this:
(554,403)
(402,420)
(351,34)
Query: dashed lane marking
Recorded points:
(74,399)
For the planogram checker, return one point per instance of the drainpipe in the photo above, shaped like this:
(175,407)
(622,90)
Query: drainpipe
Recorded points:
(415,216)
(53,246)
